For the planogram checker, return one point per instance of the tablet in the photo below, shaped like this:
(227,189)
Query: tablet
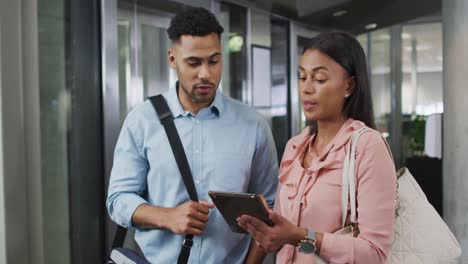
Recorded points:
(233,205)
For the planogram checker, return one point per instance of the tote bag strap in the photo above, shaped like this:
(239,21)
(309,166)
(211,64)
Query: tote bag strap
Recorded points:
(348,190)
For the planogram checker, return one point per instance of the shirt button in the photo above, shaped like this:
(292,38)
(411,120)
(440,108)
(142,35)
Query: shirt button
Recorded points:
(197,151)
(197,121)
(197,181)
(196,244)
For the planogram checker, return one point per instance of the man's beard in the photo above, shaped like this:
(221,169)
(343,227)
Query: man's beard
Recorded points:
(200,99)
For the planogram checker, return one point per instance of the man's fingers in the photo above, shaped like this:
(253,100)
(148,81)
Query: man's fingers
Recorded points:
(207,204)
(197,224)
(203,207)
(194,231)
(196,215)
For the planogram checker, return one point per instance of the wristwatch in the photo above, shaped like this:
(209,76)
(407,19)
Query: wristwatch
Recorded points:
(307,245)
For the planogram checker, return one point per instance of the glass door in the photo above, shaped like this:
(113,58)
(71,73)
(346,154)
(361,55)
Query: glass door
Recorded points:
(135,66)
(280,103)
(143,65)
(299,38)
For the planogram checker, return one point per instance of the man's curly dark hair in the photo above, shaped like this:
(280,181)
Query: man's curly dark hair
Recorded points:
(194,21)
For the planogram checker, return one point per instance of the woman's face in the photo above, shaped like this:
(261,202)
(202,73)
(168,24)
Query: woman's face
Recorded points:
(323,86)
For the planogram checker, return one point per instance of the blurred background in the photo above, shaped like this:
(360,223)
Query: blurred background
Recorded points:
(71,70)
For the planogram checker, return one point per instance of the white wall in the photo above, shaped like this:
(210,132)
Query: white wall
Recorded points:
(455,127)
(20,185)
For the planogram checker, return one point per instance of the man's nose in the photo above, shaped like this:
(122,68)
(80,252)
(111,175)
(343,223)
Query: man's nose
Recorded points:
(204,72)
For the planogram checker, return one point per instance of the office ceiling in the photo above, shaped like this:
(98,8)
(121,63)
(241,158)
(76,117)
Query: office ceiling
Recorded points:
(355,14)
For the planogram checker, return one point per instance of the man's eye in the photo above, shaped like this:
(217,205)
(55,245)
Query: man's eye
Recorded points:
(193,63)
(213,62)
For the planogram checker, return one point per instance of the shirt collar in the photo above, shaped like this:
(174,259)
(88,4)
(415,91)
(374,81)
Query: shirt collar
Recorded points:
(174,103)
(341,138)
(216,107)
(298,142)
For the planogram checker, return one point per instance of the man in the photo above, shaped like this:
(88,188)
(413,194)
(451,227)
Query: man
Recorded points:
(228,145)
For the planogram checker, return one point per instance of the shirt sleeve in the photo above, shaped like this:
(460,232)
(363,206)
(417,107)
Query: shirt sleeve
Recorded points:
(264,171)
(284,162)
(376,191)
(127,182)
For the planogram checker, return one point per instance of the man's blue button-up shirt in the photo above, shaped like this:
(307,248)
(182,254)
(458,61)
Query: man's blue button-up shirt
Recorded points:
(229,148)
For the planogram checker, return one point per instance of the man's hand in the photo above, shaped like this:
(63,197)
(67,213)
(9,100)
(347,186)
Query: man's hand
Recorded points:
(189,218)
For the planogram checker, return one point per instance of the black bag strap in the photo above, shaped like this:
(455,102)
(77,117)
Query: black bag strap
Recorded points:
(167,120)
(119,237)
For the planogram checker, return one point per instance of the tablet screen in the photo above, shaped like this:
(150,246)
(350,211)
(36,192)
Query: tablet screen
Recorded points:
(233,205)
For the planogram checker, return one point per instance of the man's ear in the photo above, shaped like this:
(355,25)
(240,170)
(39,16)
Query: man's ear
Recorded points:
(351,86)
(171,58)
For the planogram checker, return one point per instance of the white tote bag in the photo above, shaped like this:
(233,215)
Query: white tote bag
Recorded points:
(421,236)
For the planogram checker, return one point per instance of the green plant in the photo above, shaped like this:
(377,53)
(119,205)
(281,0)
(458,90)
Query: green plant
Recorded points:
(416,135)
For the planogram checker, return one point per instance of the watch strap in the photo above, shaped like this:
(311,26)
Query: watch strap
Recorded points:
(310,234)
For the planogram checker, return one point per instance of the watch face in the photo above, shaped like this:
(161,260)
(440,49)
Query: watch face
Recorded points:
(307,247)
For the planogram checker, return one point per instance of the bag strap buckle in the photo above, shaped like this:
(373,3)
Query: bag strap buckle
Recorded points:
(187,243)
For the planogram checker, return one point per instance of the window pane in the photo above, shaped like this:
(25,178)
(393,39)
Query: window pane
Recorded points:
(301,44)
(422,69)
(363,41)
(380,78)
(233,18)
(422,89)
(54,120)
(123,31)
(280,85)
(155,65)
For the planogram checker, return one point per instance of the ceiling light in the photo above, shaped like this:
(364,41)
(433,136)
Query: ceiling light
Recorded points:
(405,35)
(340,13)
(235,43)
(370,26)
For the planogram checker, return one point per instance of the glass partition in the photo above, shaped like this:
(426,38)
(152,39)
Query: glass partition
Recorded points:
(422,69)
(55,121)
(281,119)
(234,77)
(422,89)
(143,65)
(381,78)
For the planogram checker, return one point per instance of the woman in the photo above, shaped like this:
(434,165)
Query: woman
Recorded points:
(336,99)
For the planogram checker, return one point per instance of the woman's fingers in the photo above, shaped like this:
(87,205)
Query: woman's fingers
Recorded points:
(246,224)
(274,217)
(255,227)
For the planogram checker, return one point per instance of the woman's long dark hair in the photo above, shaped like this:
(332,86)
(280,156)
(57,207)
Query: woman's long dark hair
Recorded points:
(344,49)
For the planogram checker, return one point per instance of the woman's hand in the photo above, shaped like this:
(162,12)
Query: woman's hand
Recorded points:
(272,238)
